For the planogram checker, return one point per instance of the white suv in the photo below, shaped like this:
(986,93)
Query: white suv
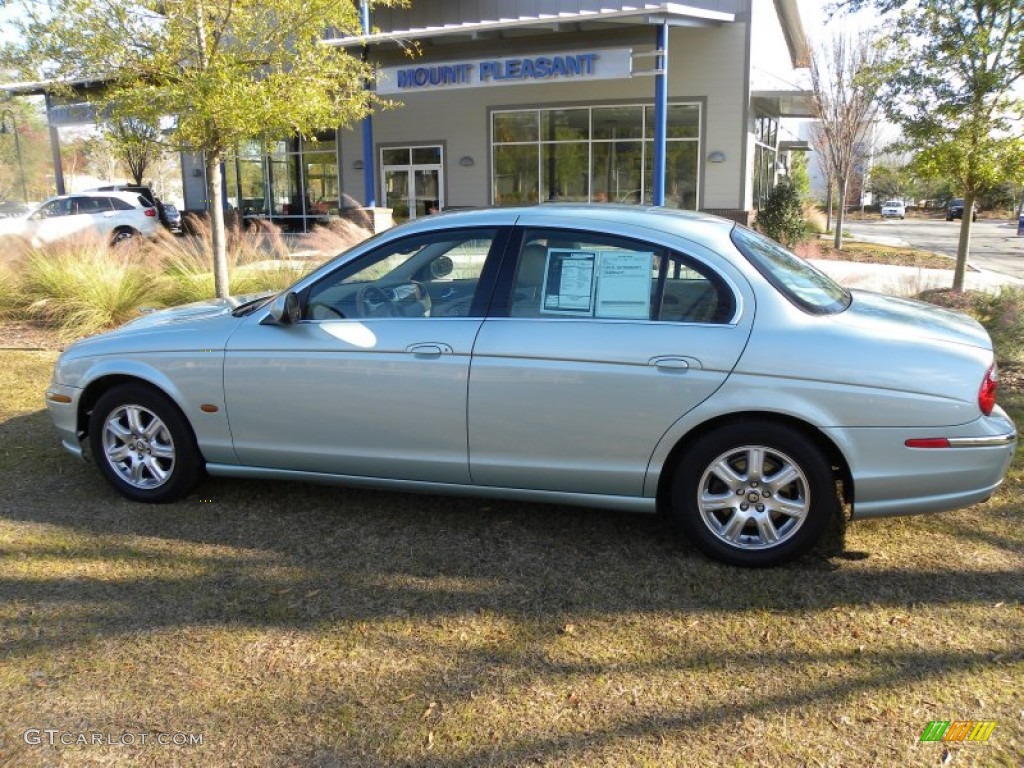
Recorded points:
(111,216)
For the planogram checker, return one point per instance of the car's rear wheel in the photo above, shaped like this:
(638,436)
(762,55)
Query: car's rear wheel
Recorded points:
(143,445)
(754,494)
(122,234)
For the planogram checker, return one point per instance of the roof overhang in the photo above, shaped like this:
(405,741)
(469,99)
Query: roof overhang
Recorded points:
(794,103)
(673,14)
(793,29)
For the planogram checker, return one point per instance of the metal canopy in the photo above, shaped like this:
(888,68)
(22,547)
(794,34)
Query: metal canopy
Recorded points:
(672,14)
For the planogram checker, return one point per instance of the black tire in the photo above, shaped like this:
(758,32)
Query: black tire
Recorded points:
(122,235)
(792,493)
(143,444)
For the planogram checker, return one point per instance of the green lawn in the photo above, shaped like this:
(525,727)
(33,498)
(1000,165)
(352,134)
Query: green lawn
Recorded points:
(293,625)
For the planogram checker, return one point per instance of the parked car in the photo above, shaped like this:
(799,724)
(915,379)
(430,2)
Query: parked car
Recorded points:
(955,210)
(172,219)
(113,216)
(605,356)
(146,192)
(894,209)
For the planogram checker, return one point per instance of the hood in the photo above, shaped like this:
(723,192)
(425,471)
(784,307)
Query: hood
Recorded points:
(890,317)
(200,325)
(187,313)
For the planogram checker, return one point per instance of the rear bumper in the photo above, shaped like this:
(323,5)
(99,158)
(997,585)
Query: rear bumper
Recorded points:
(890,479)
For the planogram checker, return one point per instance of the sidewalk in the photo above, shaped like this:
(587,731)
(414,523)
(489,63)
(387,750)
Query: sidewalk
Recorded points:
(908,281)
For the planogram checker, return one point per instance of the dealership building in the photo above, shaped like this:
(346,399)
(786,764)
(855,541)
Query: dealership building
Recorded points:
(503,102)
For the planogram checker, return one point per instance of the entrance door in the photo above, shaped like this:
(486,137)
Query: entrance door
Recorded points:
(413,181)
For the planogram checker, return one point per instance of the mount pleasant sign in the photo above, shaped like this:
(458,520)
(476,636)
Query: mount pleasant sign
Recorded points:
(604,64)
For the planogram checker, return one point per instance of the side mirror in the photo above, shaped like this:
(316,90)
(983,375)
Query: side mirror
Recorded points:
(285,309)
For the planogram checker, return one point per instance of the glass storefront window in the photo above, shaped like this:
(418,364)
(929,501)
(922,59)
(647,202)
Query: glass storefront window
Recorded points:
(395,156)
(252,187)
(515,174)
(682,121)
(615,171)
(516,126)
(618,123)
(426,155)
(322,188)
(597,154)
(286,199)
(565,124)
(565,169)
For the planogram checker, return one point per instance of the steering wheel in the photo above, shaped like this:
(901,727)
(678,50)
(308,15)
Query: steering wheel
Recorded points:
(317,310)
(371,301)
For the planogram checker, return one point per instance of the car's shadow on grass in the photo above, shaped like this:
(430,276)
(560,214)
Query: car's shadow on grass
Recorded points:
(289,554)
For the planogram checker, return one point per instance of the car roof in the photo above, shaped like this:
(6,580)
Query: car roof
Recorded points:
(131,197)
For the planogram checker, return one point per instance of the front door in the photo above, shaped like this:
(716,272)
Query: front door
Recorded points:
(372,380)
(413,180)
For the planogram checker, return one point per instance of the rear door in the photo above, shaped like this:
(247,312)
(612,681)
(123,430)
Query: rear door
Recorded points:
(597,346)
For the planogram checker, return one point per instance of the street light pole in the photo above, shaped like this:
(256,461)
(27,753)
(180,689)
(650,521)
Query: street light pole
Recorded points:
(17,148)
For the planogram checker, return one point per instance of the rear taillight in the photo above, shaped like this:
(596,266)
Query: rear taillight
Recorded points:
(150,212)
(987,392)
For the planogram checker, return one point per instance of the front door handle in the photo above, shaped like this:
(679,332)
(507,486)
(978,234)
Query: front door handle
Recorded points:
(670,363)
(430,349)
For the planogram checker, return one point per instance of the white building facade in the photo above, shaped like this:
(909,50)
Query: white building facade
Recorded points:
(523,101)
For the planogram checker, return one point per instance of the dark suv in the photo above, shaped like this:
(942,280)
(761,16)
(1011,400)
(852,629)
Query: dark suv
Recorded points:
(955,210)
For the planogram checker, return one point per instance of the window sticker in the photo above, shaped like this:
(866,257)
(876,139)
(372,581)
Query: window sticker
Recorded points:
(624,285)
(604,284)
(569,282)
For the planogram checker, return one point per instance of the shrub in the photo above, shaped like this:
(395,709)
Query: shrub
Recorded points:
(85,286)
(781,217)
(1002,314)
(258,260)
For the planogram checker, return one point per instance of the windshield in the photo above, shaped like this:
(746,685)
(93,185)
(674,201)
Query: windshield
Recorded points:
(808,288)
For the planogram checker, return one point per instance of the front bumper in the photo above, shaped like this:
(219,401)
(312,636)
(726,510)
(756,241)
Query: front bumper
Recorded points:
(62,403)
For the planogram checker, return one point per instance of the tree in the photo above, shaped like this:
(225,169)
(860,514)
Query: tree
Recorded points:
(955,101)
(845,106)
(35,163)
(137,143)
(224,70)
(782,215)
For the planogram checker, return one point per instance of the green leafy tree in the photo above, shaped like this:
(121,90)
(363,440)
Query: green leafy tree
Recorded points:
(137,144)
(224,70)
(948,83)
(782,215)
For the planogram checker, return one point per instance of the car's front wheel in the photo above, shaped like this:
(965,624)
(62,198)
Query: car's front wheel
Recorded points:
(754,494)
(143,445)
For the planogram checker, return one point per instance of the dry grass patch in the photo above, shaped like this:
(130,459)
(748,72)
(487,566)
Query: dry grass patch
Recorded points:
(297,625)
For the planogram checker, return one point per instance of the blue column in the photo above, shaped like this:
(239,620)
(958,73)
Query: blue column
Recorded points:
(369,166)
(660,114)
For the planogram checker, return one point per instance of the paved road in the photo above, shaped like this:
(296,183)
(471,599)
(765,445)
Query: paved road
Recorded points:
(994,244)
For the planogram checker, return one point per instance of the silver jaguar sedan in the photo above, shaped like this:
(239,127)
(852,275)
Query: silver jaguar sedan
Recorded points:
(604,356)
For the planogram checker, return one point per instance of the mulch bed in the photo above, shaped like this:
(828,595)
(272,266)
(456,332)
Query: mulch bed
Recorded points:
(25,334)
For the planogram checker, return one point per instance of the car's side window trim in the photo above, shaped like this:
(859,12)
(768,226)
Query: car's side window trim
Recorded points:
(485,283)
(664,257)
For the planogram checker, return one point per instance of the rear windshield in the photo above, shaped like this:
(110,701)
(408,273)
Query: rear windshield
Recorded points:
(808,288)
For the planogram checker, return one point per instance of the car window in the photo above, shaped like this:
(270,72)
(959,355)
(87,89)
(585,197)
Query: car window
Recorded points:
(426,275)
(53,208)
(120,205)
(564,274)
(803,285)
(88,205)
